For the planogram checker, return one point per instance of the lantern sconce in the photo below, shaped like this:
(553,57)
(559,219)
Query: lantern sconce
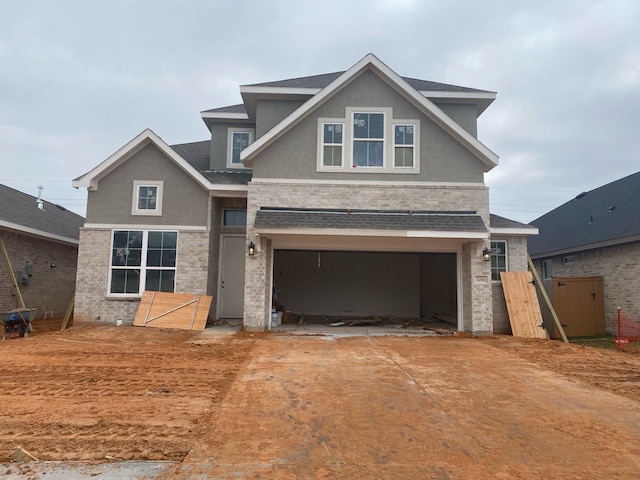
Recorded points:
(252,249)
(486,254)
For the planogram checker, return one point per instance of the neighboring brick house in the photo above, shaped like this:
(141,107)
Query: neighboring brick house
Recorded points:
(41,240)
(595,234)
(352,193)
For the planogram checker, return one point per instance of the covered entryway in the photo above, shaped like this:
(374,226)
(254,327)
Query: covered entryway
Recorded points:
(326,285)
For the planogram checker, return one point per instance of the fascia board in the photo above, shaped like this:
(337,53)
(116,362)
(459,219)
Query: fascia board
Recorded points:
(459,95)
(279,90)
(38,233)
(514,231)
(90,179)
(224,115)
(436,114)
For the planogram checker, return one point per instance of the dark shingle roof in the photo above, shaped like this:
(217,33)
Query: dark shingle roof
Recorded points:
(605,214)
(271,217)
(21,209)
(197,154)
(501,222)
(321,81)
(230,109)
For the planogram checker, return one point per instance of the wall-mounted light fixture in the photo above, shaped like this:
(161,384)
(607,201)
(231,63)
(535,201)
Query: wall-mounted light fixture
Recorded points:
(252,249)
(486,254)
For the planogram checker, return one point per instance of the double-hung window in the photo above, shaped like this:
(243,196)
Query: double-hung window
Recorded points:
(142,260)
(498,259)
(147,197)
(238,139)
(403,146)
(332,134)
(368,139)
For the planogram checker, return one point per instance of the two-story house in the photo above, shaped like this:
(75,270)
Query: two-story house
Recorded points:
(353,193)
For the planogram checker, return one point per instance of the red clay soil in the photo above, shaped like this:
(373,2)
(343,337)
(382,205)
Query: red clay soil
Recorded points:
(292,407)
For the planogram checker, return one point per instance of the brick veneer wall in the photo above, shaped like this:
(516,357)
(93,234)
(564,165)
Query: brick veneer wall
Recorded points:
(620,268)
(49,289)
(92,304)
(477,307)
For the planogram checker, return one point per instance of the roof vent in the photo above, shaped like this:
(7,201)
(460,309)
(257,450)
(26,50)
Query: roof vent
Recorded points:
(61,207)
(580,195)
(612,208)
(39,200)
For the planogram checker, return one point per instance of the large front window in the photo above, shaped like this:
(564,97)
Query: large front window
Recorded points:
(142,260)
(368,139)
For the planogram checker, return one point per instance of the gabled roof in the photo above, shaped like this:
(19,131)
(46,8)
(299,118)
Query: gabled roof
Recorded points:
(146,137)
(371,62)
(19,212)
(608,215)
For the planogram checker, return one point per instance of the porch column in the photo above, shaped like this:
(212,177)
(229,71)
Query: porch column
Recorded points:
(257,285)
(477,292)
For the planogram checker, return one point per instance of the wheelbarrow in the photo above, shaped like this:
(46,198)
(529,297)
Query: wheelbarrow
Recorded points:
(17,321)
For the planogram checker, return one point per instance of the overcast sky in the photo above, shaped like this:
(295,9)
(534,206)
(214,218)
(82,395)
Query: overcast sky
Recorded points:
(79,79)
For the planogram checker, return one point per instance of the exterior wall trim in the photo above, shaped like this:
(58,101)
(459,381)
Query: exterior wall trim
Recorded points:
(372,233)
(38,233)
(110,226)
(514,231)
(589,246)
(376,183)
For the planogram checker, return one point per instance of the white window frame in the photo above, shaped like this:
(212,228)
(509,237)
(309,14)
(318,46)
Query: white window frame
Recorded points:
(386,113)
(322,144)
(388,142)
(414,145)
(506,258)
(135,197)
(143,261)
(230,133)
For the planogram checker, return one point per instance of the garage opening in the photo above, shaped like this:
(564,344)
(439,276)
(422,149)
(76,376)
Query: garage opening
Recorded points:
(377,288)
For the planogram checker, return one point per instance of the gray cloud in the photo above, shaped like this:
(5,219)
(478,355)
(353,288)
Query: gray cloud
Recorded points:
(79,79)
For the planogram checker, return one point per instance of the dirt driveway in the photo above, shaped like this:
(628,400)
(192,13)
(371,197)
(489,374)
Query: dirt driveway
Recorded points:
(316,407)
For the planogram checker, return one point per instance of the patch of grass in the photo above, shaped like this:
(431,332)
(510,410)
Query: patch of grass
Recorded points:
(607,342)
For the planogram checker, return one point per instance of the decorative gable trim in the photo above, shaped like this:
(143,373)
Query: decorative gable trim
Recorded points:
(370,61)
(91,178)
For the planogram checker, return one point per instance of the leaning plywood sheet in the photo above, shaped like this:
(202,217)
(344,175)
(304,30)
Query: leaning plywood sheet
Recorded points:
(522,305)
(173,310)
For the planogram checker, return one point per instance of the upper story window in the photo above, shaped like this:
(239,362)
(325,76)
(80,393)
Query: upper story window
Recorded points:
(238,140)
(147,197)
(368,140)
(403,146)
(498,259)
(332,144)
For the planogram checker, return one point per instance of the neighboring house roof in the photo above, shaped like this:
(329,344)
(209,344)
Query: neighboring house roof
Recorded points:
(371,62)
(192,158)
(19,212)
(607,215)
(449,224)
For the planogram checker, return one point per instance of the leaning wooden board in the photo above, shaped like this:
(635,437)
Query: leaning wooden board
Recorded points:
(522,305)
(173,310)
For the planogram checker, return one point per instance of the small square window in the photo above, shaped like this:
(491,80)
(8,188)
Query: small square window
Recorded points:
(147,197)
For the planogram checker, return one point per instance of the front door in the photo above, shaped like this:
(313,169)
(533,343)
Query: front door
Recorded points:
(231,283)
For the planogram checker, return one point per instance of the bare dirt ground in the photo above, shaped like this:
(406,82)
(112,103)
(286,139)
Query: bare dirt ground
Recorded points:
(296,407)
